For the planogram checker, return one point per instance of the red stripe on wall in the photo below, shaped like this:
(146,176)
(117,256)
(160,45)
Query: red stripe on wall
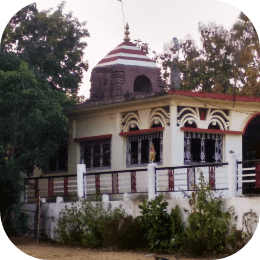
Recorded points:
(213,131)
(123,58)
(214,96)
(93,137)
(121,50)
(150,130)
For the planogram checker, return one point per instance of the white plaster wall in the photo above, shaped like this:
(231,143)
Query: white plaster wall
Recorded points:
(177,139)
(51,211)
(94,125)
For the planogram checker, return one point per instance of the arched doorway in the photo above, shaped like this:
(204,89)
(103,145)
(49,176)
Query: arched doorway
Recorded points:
(251,151)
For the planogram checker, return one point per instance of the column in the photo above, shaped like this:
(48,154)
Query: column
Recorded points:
(81,169)
(232,174)
(151,180)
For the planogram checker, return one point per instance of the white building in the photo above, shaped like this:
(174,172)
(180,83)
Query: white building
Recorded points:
(110,136)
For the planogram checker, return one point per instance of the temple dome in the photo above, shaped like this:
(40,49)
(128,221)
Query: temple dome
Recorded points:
(126,71)
(127,54)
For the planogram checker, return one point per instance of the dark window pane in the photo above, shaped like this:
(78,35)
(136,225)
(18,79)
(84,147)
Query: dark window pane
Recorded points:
(210,150)
(195,149)
(106,155)
(96,156)
(87,156)
(53,163)
(156,143)
(134,152)
(145,151)
(63,158)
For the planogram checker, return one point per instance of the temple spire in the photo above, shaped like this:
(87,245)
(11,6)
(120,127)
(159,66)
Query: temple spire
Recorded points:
(127,39)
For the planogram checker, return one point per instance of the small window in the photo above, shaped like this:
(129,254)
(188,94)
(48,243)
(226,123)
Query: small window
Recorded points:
(96,153)
(142,84)
(138,148)
(202,148)
(59,161)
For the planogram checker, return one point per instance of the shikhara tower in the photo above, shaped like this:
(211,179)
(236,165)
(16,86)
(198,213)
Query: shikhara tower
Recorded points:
(126,72)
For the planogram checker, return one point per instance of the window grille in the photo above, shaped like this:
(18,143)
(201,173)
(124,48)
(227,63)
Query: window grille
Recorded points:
(203,147)
(138,148)
(96,153)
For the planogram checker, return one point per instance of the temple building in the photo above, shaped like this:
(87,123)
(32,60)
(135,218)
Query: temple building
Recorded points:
(129,109)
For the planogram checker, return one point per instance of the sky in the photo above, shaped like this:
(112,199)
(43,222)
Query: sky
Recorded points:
(154,22)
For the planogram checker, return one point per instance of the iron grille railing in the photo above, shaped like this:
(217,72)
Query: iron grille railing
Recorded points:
(175,179)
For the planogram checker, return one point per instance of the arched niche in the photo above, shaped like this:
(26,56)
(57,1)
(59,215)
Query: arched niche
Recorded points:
(251,150)
(142,84)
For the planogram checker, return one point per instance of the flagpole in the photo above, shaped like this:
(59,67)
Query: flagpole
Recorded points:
(123,13)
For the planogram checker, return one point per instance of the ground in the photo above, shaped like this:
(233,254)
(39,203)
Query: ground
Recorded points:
(52,251)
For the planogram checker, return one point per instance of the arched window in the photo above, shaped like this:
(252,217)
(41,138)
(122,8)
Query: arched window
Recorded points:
(142,84)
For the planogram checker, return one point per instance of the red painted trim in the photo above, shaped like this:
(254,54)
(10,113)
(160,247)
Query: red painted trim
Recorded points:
(89,138)
(248,122)
(123,58)
(137,132)
(139,52)
(214,96)
(213,131)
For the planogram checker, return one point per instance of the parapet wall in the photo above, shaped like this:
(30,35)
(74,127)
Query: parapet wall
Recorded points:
(50,211)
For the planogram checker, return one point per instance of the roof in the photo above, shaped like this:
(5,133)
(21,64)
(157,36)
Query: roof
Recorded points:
(127,53)
(219,96)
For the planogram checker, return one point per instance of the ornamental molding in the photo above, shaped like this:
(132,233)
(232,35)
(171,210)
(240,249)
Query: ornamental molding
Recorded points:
(159,116)
(130,120)
(145,119)
(203,117)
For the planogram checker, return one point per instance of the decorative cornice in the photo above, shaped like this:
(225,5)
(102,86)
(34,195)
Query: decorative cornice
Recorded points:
(144,131)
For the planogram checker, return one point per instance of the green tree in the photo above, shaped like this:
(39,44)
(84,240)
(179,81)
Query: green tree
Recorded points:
(227,62)
(33,125)
(52,43)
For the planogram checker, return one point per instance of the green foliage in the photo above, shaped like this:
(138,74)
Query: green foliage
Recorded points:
(33,126)
(85,224)
(20,222)
(227,61)
(124,233)
(208,225)
(52,43)
(177,229)
(162,231)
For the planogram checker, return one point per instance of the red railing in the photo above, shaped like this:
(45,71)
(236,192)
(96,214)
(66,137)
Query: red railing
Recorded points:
(50,187)
(174,179)
(115,182)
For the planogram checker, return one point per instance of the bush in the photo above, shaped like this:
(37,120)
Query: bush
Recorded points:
(208,226)
(123,233)
(162,231)
(177,229)
(85,224)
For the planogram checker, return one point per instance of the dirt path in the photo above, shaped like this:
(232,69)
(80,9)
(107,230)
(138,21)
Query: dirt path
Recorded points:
(53,252)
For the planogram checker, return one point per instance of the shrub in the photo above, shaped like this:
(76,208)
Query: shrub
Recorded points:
(208,225)
(85,224)
(177,230)
(162,232)
(123,233)
(156,224)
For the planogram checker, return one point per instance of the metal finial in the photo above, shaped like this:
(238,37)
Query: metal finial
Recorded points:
(127,39)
